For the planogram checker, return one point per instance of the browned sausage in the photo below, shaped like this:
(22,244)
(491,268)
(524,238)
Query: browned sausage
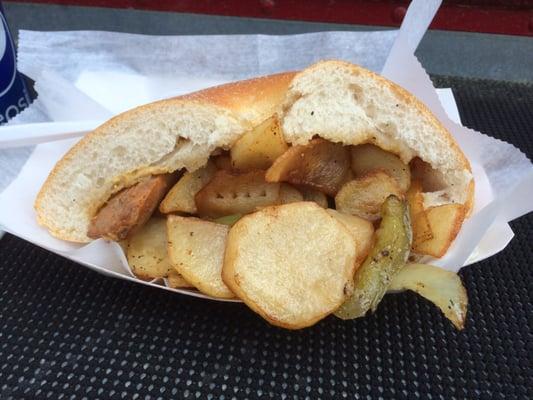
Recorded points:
(130,208)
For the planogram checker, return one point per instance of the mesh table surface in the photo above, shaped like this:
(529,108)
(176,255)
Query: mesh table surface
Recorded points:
(69,333)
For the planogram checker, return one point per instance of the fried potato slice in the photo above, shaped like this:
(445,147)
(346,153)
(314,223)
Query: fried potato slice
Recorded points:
(320,164)
(288,194)
(176,281)
(259,148)
(445,222)
(364,196)
(293,264)
(368,157)
(361,230)
(181,197)
(314,195)
(419,219)
(236,193)
(443,288)
(146,251)
(196,251)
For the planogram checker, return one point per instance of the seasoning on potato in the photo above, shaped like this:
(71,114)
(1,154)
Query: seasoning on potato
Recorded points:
(196,251)
(146,251)
(293,264)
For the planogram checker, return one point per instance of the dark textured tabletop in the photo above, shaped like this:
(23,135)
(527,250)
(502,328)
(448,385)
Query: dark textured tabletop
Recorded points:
(69,333)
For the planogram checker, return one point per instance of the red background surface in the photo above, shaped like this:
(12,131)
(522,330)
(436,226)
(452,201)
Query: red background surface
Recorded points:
(514,17)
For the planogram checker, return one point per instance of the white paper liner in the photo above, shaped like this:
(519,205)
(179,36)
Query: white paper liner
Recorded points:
(93,75)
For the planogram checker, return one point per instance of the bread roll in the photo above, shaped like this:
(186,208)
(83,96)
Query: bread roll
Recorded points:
(338,101)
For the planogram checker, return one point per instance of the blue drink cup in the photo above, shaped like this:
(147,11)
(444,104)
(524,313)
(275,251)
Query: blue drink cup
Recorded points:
(14,95)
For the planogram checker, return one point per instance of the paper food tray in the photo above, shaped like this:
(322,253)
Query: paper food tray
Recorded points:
(123,75)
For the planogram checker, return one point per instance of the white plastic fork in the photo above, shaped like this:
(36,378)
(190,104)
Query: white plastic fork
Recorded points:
(31,134)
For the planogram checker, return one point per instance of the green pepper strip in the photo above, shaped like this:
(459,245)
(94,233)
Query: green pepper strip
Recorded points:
(393,244)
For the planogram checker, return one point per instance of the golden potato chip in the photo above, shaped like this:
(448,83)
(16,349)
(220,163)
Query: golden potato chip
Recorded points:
(293,264)
(259,148)
(320,164)
(176,281)
(368,157)
(236,193)
(365,195)
(419,218)
(146,250)
(361,230)
(181,197)
(196,251)
(445,222)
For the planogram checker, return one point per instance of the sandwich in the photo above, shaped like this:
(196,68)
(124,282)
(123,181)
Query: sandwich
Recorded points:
(303,194)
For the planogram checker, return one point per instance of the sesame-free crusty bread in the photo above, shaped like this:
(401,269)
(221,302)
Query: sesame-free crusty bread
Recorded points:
(155,138)
(345,103)
(335,100)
